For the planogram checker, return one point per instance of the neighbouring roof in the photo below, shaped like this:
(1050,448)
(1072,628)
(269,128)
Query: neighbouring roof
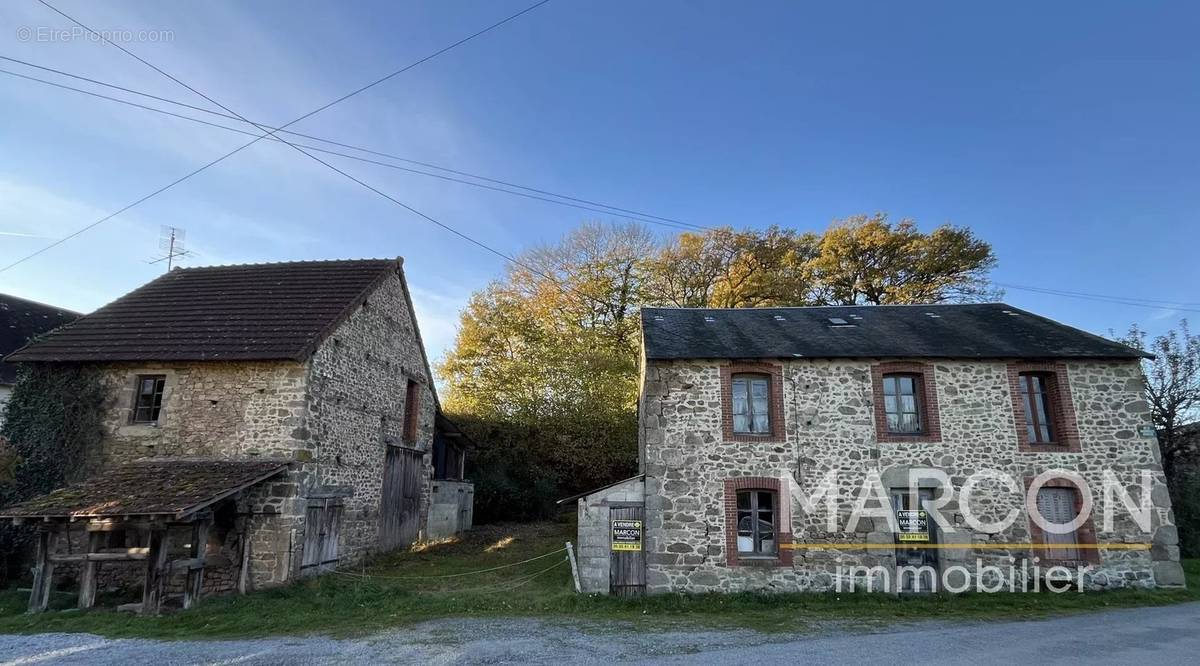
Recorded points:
(593,491)
(162,486)
(247,312)
(985,330)
(20,321)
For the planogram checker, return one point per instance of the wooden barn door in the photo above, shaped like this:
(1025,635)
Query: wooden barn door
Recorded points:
(400,514)
(627,569)
(322,521)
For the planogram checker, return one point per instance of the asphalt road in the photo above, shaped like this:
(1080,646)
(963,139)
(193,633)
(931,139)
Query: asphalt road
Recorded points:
(1167,635)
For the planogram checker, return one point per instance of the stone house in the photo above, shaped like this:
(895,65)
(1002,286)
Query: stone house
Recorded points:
(21,320)
(269,421)
(744,414)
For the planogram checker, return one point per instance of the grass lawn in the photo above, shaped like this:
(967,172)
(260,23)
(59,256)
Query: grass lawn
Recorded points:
(347,605)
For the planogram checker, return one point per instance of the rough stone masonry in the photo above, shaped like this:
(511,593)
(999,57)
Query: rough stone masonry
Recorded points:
(829,422)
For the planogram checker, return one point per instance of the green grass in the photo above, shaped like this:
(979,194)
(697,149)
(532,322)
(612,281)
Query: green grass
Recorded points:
(342,605)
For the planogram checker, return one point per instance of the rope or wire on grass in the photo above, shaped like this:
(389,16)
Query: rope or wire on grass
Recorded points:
(453,575)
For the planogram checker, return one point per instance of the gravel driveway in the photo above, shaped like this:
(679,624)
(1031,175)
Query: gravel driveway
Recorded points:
(1167,635)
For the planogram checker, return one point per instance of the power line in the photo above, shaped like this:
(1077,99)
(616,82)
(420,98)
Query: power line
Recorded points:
(1116,300)
(257,139)
(606,211)
(456,232)
(638,215)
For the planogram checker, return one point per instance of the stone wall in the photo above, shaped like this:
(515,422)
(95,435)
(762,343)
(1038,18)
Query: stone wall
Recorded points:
(830,425)
(594,554)
(333,415)
(358,381)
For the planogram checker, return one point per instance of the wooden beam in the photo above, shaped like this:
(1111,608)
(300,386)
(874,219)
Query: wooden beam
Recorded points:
(43,572)
(87,577)
(195,574)
(156,572)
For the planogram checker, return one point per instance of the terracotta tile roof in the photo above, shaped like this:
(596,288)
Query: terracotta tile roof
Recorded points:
(984,330)
(247,312)
(160,486)
(20,321)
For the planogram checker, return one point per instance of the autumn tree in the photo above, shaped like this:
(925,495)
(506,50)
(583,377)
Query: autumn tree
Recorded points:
(1172,386)
(867,260)
(544,369)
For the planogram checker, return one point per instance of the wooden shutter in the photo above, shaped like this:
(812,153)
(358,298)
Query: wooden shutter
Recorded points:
(1057,505)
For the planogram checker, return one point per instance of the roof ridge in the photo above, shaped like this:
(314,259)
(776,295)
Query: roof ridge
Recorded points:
(295,262)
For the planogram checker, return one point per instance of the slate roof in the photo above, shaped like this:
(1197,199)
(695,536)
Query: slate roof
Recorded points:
(20,321)
(986,330)
(218,313)
(162,486)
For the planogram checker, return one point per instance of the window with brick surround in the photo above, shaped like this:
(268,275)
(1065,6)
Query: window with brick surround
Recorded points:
(1059,502)
(902,403)
(756,523)
(752,402)
(751,395)
(1035,400)
(1042,411)
(757,526)
(905,402)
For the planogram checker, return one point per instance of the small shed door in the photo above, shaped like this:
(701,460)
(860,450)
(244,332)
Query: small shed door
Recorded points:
(627,569)
(322,521)
(400,513)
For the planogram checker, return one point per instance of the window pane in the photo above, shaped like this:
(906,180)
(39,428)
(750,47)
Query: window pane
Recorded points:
(740,402)
(906,385)
(908,404)
(890,405)
(743,501)
(741,423)
(766,501)
(893,422)
(745,524)
(889,386)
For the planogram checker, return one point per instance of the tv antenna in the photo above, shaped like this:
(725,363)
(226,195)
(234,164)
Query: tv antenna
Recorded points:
(170,241)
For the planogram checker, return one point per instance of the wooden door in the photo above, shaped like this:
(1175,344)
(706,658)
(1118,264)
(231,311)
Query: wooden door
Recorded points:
(322,522)
(400,513)
(627,568)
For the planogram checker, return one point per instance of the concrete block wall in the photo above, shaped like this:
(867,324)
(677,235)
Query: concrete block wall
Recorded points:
(594,550)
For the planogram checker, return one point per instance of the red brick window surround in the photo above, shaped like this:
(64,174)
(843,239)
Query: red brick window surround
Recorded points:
(761,486)
(921,376)
(1084,538)
(772,373)
(1029,382)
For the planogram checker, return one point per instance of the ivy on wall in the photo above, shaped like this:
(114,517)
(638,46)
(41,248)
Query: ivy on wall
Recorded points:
(53,416)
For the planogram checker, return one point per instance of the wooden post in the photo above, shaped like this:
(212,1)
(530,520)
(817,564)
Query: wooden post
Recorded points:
(43,571)
(87,578)
(195,574)
(574,567)
(156,570)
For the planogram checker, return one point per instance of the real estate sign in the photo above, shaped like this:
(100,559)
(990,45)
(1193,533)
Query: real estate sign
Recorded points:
(627,535)
(914,525)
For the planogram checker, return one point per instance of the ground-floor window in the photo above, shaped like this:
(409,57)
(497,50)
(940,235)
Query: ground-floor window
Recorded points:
(756,522)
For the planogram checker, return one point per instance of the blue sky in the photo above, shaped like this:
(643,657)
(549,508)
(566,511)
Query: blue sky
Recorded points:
(1063,133)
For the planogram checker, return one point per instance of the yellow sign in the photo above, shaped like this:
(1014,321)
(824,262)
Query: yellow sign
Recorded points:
(627,535)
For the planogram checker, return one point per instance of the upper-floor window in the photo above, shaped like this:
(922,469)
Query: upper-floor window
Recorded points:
(412,405)
(147,403)
(756,526)
(751,394)
(902,403)
(1035,398)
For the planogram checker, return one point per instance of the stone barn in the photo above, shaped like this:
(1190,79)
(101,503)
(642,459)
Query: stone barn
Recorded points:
(262,422)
